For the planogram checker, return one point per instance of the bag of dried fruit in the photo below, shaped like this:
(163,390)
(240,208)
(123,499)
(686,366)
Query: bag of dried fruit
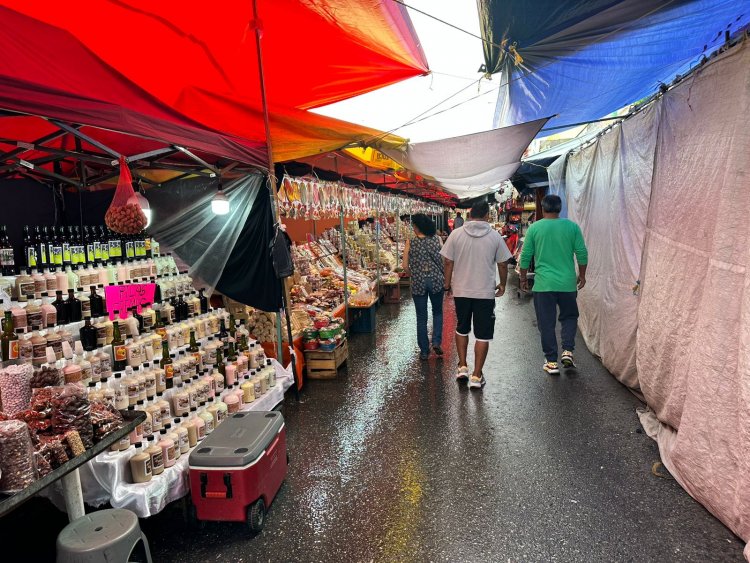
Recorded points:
(124,214)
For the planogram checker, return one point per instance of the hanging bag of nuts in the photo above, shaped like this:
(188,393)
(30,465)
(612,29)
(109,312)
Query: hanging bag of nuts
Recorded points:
(124,215)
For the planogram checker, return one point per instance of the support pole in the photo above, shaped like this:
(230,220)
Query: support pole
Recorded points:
(274,207)
(343,259)
(73,495)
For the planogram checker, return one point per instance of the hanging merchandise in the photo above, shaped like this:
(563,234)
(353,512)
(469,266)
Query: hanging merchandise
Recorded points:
(125,215)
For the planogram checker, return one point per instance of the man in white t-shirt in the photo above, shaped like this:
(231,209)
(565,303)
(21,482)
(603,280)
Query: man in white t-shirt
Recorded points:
(473,253)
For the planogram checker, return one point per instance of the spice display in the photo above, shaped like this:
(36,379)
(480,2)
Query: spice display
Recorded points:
(17,468)
(15,388)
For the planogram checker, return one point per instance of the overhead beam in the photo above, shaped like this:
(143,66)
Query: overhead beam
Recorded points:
(90,140)
(196,158)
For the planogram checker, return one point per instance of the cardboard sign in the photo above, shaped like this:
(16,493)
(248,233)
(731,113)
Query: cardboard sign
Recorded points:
(123,297)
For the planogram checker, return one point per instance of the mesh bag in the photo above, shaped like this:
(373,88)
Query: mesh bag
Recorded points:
(125,215)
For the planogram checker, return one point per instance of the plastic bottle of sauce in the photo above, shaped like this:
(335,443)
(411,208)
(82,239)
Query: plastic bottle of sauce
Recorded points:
(141,465)
(49,313)
(157,456)
(167,447)
(172,435)
(182,436)
(192,430)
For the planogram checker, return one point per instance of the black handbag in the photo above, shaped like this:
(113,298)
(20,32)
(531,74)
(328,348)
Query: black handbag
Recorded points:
(281,253)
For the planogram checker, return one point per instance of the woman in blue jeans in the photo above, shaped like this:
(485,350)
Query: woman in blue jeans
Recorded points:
(422,261)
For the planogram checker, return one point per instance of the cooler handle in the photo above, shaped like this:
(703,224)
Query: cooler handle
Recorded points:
(216,494)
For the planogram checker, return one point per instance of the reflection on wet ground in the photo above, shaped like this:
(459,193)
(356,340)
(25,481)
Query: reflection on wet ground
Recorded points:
(395,461)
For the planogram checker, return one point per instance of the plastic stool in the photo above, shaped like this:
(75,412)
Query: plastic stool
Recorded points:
(103,536)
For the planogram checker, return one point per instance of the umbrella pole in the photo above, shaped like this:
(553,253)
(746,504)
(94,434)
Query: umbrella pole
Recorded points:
(272,177)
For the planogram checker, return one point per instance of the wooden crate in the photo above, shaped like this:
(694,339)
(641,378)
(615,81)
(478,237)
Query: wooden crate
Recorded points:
(325,365)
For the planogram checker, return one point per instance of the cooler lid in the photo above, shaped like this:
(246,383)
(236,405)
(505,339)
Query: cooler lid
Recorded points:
(237,441)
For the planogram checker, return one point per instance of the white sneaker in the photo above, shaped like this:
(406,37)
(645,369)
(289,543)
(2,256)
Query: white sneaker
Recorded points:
(462,373)
(551,368)
(477,382)
(567,359)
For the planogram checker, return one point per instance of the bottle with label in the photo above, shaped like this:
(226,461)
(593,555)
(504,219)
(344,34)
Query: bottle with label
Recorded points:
(96,303)
(49,312)
(24,287)
(50,277)
(203,301)
(84,363)
(29,248)
(223,334)
(167,364)
(85,303)
(19,317)
(96,367)
(167,446)
(38,347)
(141,465)
(41,248)
(57,250)
(119,351)
(34,313)
(9,339)
(183,440)
(157,456)
(191,428)
(7,256)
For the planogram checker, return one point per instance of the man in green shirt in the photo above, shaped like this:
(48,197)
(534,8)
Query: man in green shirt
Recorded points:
(552,243)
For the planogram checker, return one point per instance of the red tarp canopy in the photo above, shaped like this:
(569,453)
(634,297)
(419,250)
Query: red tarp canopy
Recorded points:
(149,68)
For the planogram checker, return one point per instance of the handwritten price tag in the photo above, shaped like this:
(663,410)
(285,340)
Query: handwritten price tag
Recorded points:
(123,297)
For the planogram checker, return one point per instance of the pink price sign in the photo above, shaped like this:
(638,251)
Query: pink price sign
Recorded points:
(123,297)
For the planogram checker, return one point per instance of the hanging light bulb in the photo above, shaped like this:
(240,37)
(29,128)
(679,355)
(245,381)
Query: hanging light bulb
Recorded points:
(220,203)
(143,203)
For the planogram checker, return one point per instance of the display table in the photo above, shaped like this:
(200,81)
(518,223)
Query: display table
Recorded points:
(106,478)
(68,474)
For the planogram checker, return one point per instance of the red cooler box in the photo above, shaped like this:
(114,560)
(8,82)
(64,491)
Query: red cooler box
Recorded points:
(237,470)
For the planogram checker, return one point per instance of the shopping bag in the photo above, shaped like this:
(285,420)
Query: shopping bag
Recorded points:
(125,215)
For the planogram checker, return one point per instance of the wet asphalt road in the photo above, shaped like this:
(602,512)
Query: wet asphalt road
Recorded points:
(395,461)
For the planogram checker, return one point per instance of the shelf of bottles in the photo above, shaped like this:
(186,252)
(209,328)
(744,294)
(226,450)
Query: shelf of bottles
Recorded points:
(186,365)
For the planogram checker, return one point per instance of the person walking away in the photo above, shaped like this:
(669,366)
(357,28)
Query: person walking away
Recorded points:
(474,256)
(458,221)
(553,243)
(422,261)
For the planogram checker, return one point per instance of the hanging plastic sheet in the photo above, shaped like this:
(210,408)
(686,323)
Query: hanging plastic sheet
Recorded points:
(584,59)
(184,222)
(471,164)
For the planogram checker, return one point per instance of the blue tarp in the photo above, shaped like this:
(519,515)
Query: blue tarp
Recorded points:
(585,59)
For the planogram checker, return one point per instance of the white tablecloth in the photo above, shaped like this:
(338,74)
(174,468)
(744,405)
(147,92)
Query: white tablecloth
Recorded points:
(106,478)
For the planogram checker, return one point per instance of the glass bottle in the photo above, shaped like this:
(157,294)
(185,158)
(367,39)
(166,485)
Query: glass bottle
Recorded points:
(7,256)
(167,365)
(73,311)
(88,335)
(119,351)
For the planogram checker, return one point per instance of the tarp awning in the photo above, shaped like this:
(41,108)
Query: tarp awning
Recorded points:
(187,73)
(470,165)
(583,59)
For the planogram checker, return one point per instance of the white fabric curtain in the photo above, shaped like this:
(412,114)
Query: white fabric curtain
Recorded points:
(185,224)
(556,175)
(694,319)
(663,199)
(608,186)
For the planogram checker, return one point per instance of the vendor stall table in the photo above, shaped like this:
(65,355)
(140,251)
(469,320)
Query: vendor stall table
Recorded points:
(107,478)
(68,473)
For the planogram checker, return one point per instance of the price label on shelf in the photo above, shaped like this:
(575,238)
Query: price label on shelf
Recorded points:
(123,297)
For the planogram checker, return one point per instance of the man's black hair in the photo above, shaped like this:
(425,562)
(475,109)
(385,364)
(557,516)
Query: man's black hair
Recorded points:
(552,204)
(479,210)
(425,225)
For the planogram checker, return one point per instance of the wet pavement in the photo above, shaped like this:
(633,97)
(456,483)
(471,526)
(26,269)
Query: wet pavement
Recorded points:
(395,461)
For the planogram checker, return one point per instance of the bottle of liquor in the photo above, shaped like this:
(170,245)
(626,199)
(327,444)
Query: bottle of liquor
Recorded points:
(223,334)
(138,318)
(182,306)
(49,237)
(57,249)
(73,307)
(194,349)
(231,354)
(167,365)
(104,241)
(41,248)
(204,301)
(119,351)
(7,257)
(89,242)
(97,303)
(29,248)
(9,339)
(129,247)
(96,241)
(62,310)
(71,243)
(220,365)
(88,335)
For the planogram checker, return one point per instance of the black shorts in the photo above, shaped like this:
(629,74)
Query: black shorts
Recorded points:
(482,311)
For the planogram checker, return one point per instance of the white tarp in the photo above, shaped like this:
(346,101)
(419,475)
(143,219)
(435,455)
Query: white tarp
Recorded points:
(694,317)
(608,186)
(470,164)
(664,199)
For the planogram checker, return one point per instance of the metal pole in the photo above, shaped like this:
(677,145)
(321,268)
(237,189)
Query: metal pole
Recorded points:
(377,249)
(343,259)
(272,178)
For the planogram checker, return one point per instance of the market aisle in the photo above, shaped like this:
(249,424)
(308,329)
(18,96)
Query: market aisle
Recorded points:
(395,461)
